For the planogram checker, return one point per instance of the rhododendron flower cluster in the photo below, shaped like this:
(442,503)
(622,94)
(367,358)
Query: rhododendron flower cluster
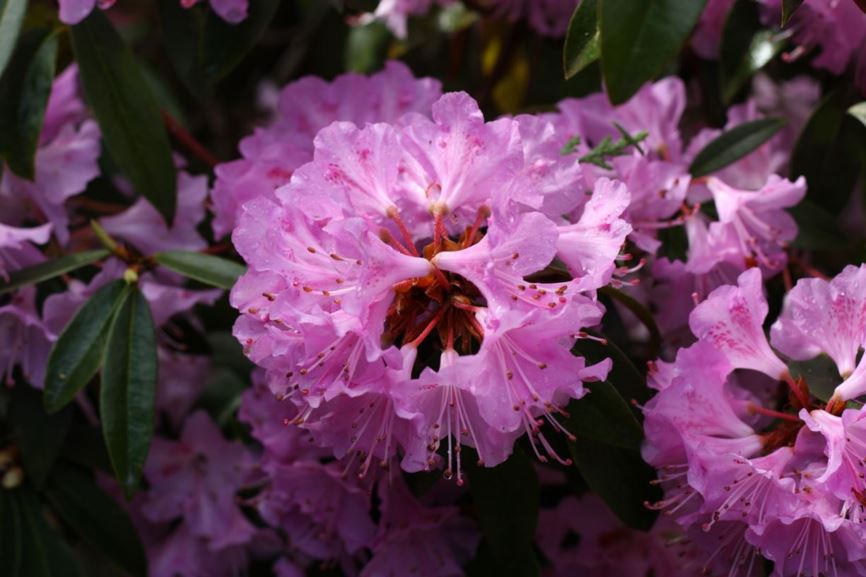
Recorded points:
(348,288)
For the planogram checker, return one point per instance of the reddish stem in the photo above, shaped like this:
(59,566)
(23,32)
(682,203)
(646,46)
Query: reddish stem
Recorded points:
(188,140)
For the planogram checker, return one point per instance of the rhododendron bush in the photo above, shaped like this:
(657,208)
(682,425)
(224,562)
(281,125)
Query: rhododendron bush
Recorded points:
(432,288)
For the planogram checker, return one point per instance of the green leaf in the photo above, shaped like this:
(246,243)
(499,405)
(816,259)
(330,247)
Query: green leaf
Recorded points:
(828,151)
(204,48)
(604,415)
(817,229)
(128,388)
(44,553)
(639,37)
(820,374)
(77,354)
(96,518)
(788,9)
(746,47)
(642,314)
(858,111)
(367,47)
(11,534)
(11,17)
(50,269)
(582,40)
(23,102)
(734,144)
(126,110)
(627,379)
(620,477)
(39,436)
(212,270)
(506,504)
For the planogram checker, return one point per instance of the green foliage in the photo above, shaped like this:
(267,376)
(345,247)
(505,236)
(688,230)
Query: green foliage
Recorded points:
(609,148)
(788,9)
(639,37)
(42,552)
(126,110)
(603,415)
(11,17)
(128,388)
(734,144)
(582,40)
(820,373)
(49,269)
(206,268)
(746,48)
(38,436)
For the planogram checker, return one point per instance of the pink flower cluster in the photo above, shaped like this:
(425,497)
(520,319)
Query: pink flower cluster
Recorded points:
(752,461)
(74,11)
(398,283)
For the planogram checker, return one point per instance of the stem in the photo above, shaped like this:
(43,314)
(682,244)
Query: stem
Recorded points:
(188,140)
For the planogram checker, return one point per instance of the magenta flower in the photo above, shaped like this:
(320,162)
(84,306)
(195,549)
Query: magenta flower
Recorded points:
(74,11)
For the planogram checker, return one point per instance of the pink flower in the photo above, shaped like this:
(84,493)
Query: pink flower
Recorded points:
(417,540)
(74,11)
(708,35)
(27,340)
(391,278)
(16,247)
(272,153)
(197,478)
(546,17)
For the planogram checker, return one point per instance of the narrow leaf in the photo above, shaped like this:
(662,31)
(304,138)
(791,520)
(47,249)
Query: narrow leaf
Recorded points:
(212,270)
(96,518)
(620,477)
(828,152)
(127,112)
(128,388)
(11,17)
(788,9)
(604,415)
(582,40)
(858,111)
(746,47)
(734,144)
(506,503)
(78,352)
(639,37)
(23,102)
(50,269)
(39,436)
(44,553)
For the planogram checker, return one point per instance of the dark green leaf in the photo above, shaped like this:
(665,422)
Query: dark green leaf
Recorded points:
(127,112)
(206,268)
(128,388)
(221,395)
(746,47)
(620,478)
(50,269)
(39,436)
(828,153)
(96,518)
(788,9)
(11,534)
(23,102)
(582,40)
(820,374)
(44,553)
(603,415)
(641,313)
(367,47)
(203,47)
(734,144)
(623,375)
(11,17)
(78,352)
(506,504)
(639,37)
(817,229)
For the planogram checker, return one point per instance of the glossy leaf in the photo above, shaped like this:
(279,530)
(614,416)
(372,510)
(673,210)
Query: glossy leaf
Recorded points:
(624,375)
(506,500)
(50,269)
(620,477)
(828,152)
(78,352)
(11,17)
(126,110)
(604,415)
(44,554)
(734,144)
(641,312)
(858,111)
(23,102)
(817,229)
(820,374)
(639,37)
(97,518)
(128,388)
(745,48)
(38,436)
(205,49)
(788,9)
(212,270)
(582,39)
